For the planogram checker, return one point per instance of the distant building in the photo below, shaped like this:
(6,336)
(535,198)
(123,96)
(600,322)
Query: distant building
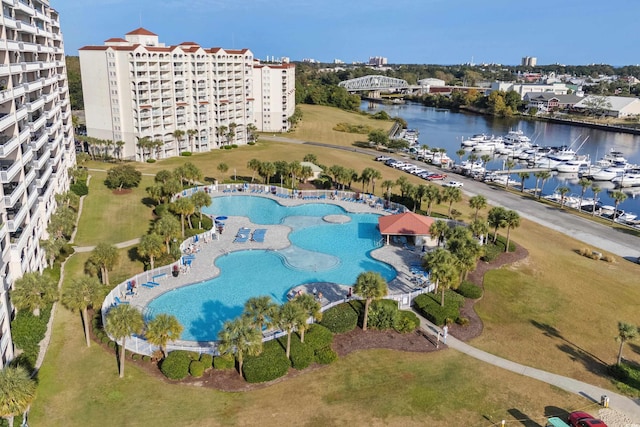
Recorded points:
(137,88)
(431,82)
(377,61)
(529,61)
(547,101)
(613,106)
(522,89)
(338,61)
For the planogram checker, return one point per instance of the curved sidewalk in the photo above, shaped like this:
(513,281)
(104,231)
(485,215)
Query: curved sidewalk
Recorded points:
(616,401)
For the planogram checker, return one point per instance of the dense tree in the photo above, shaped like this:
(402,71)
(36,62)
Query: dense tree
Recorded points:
(168,227)
(379,138)
(496,219)
(311,308)
(441,265)
(123,176)
(451,195)
(151,246)
(183,207)
(163,329)
(438,230)
(261,312)
(464,248)
(371,286)
(81,294)
(477,202)
(122,322)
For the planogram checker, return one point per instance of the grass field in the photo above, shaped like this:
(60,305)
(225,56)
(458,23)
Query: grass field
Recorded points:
(555,310)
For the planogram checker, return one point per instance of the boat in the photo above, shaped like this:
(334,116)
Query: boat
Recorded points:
(473,141)
(627,180)
(516,137)
(573,166)
(606,174)
(489,145)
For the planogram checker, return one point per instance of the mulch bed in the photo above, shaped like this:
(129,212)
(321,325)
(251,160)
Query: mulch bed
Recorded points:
(229,380)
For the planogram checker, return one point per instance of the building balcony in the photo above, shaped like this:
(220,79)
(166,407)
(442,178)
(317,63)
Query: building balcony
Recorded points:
(44,178)
(15,192)
(9,170)
(6,120)
(38,123)
(38,140)
(42,159)
(24,27)
(35,105)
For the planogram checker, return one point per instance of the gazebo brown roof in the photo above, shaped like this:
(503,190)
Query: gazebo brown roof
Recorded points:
(405,224)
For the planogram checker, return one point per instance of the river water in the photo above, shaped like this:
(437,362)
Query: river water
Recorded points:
(446,129)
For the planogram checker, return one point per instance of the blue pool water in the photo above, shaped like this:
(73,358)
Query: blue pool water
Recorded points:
(319,252)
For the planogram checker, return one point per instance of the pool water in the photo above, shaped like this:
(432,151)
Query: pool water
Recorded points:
(319,252)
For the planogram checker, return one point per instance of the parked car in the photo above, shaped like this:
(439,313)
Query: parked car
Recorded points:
(436,176)
(382,158)
(583,419)
(456,184)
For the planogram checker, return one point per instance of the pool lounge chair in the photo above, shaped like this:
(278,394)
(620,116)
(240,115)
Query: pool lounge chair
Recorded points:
(258,235)
(243,235)
(118,301)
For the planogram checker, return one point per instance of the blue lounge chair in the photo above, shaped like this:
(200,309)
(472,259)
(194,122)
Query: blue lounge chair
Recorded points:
(243,235)
(147,285)
(119,301)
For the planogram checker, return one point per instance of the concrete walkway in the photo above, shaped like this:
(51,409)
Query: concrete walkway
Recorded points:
(618,402)
(120,245)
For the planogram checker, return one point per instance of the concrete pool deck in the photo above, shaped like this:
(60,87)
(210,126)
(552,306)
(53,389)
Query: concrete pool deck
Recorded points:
(276,238)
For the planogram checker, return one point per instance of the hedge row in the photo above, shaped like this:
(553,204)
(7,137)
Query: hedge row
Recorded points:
(429,306)
(340,319)
(27,331)
(272,363)
(469,290)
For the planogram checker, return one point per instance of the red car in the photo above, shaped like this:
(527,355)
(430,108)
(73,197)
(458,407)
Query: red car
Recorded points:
(435,176)
(583,419)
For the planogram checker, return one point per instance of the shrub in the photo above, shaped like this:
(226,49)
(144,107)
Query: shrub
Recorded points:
(112,345)
(429,306)
(226,147)
(326,355)
(317,337)
(136,356)
(251,143)
(584,251)
(339,319)
(146,358)
(186,153)
(176,365)
(28,330)
(226,361)
(234,145)
(79,188)
(151,160)
(272,363)
(301,355)
(207,360)
(469,290)
(608,258)
(105,339)
(596,255)
(462,321)
(196,368)
(406,321)
(382,314)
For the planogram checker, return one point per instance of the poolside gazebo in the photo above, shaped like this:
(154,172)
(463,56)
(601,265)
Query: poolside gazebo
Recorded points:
(407,224)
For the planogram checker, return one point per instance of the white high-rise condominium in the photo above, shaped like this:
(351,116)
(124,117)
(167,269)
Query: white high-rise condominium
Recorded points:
(164,100)
(36,141)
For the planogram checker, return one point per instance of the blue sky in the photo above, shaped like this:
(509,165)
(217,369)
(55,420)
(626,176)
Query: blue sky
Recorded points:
(405,31)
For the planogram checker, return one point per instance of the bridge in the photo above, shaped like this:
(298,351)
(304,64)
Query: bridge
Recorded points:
(374,85)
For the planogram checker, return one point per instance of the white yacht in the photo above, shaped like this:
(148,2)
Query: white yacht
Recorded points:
(516,137)
(606,174)
(627,180)
(573,166)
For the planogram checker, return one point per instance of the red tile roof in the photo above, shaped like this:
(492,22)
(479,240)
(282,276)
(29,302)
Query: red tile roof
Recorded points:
(140,32)
(115,39)
(406,223)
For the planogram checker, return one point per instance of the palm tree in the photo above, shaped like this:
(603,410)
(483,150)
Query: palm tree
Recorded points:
(311,308)
(403,183)
(431,195)
(191,133)
(465,248)
(537,175)
(438,230)
(51,248)
(626,332)
(162,329)
(122,322)
(496,219)
(221,131)
(168,227)
(596,190)
(239,337)
(374,175)
(479,228)
(477,202)
(365,178)
(260,311)
(223,167)
(118,150)
(387,184)
(563,193)
(544,176)
(583,183)
(460,153)
(152,246)
(253,133)
(17,391)
(290,316)
(200,199)
(232,133)
(183,207)
(523,177)
(511,220)
(104,256)
(254,165)
(509,164)
(32,292)
(441,265)
(81,294)
(419,193)
(267,169)
(618,197)
(370,285)
(451,194)
(485,159)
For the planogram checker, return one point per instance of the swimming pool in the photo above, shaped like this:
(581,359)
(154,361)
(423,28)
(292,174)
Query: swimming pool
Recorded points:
(320,252)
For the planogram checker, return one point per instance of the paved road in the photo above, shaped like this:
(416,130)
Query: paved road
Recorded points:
(590,232)
(616,401)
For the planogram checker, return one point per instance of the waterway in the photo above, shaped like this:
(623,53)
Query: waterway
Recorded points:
(446,129)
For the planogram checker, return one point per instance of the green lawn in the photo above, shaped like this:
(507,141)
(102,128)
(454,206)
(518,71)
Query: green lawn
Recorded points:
(555,310)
